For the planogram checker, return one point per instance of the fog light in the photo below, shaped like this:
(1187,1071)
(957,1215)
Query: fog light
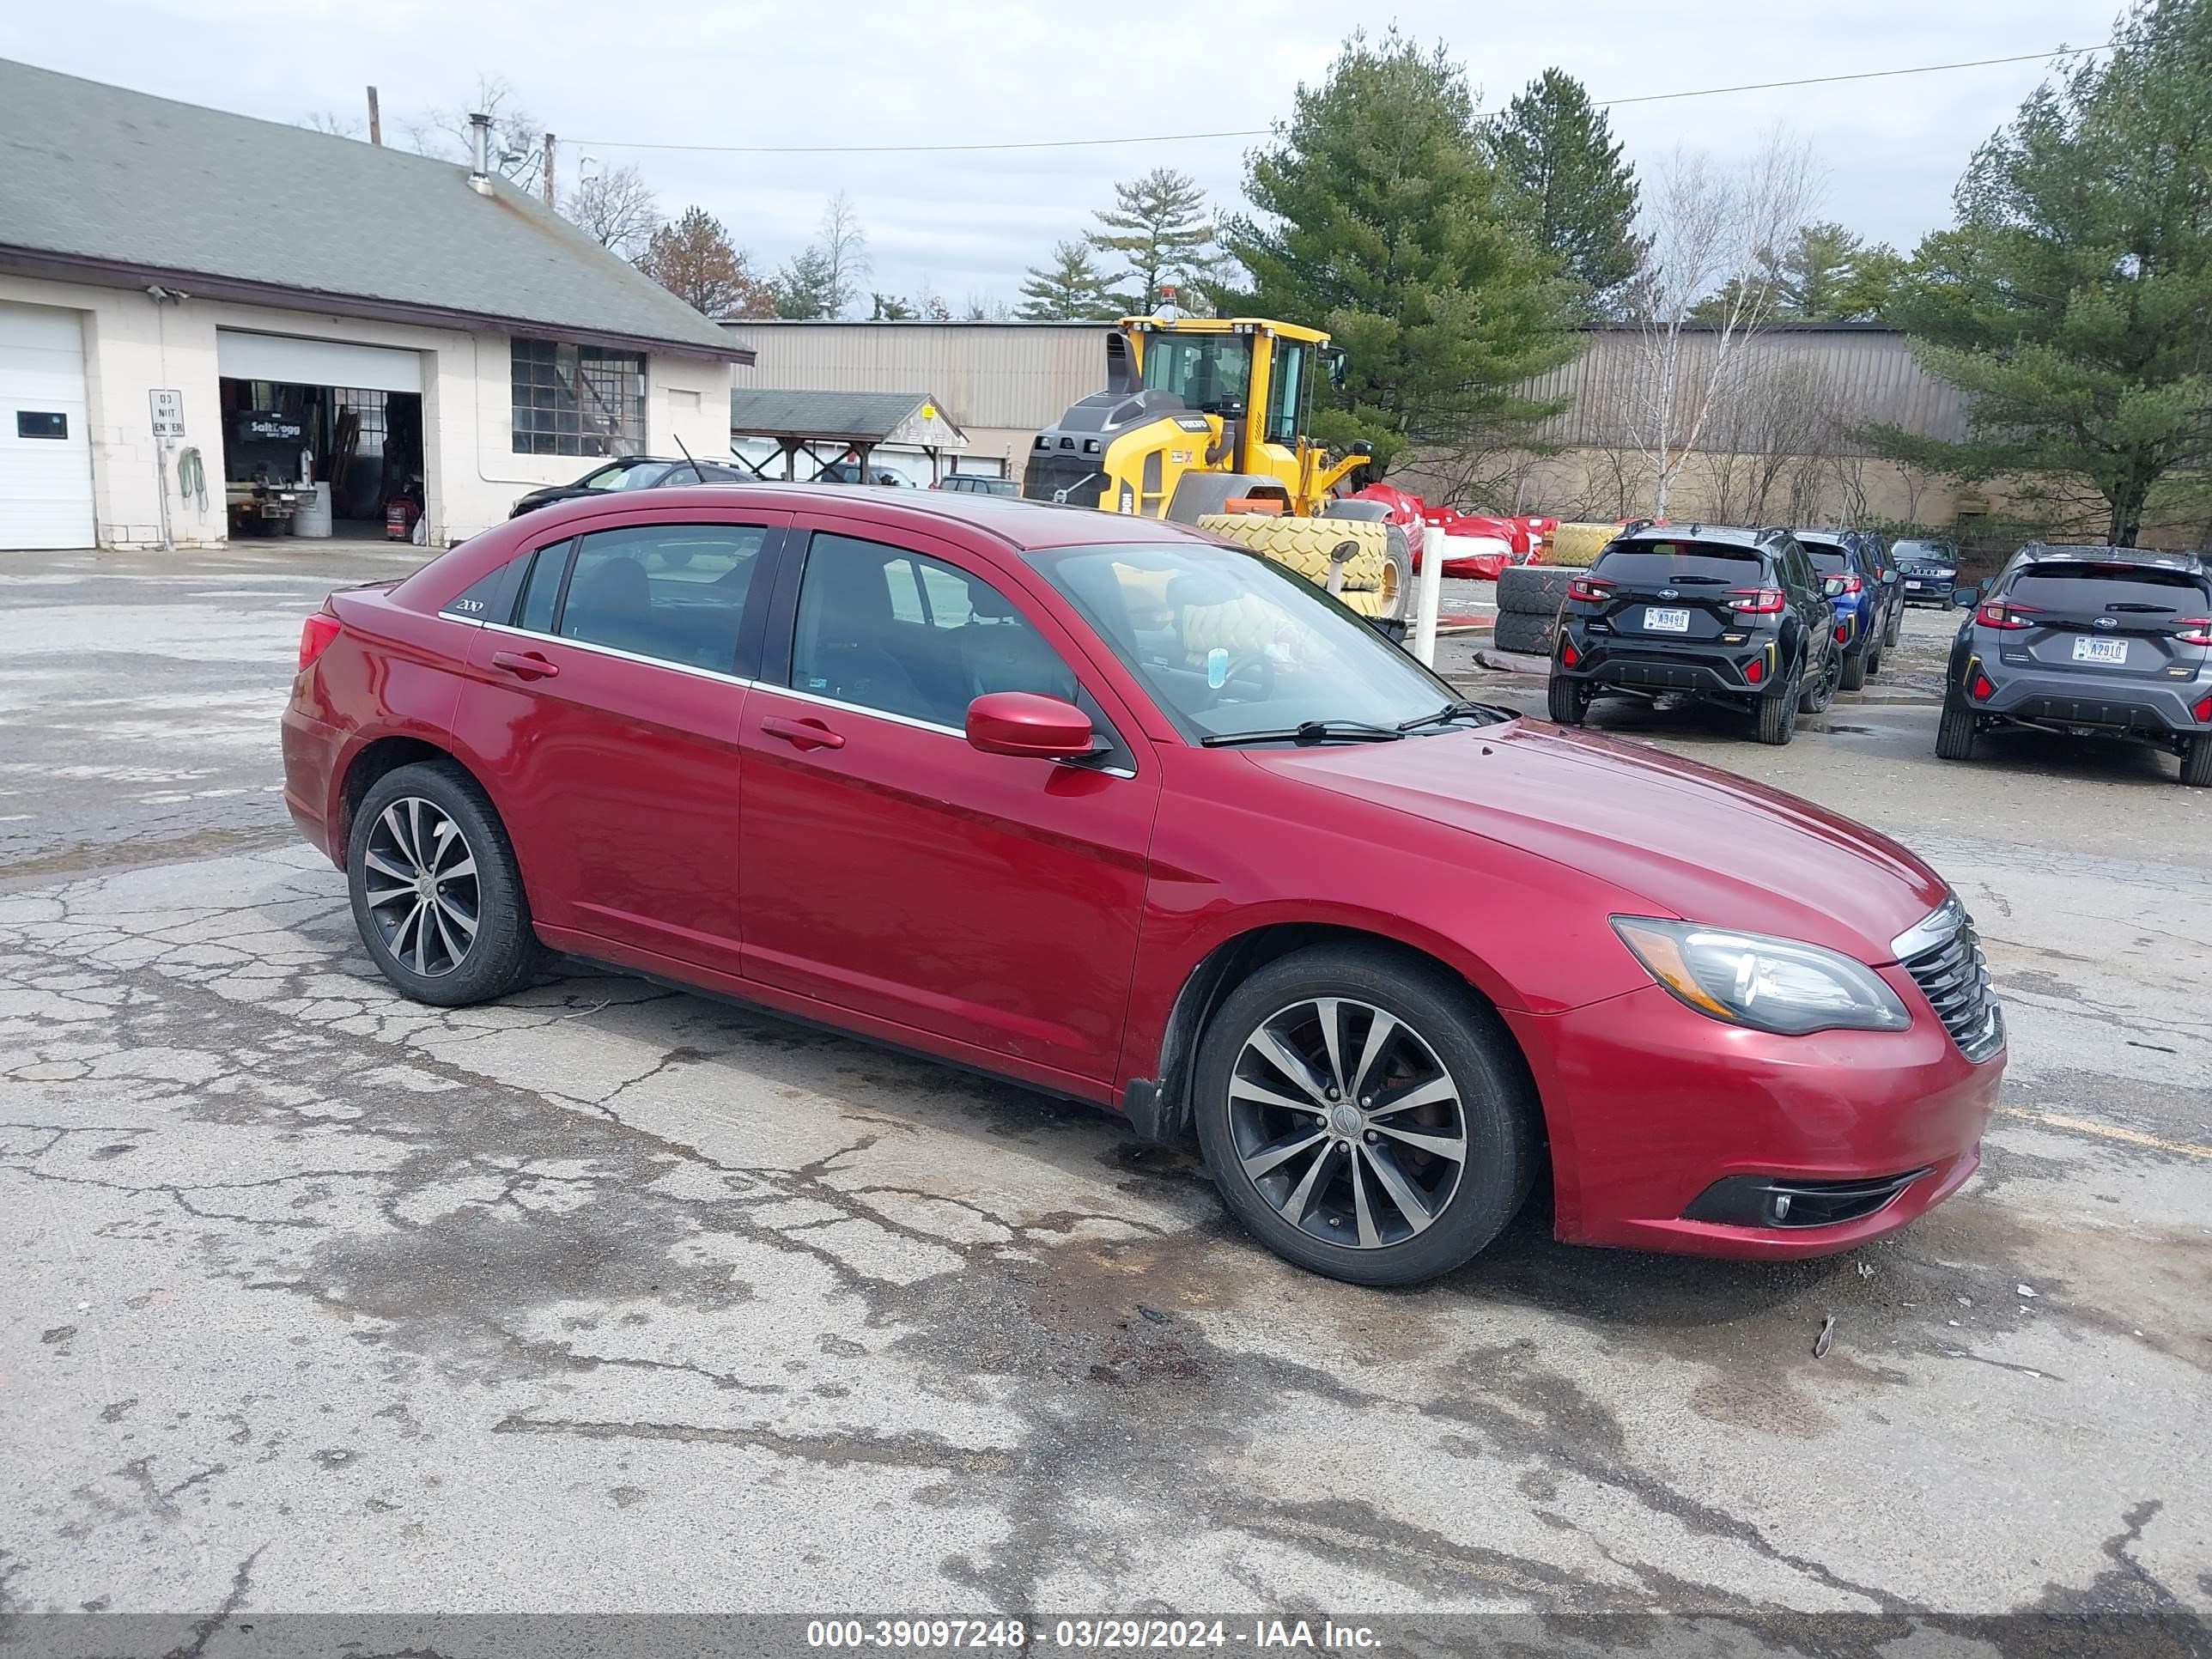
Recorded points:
(1568,655)
(1983,690)
(1755,672)
(2203,710)
(1843,633)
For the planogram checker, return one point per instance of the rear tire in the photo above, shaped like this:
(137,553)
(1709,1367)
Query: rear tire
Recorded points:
(1570,700)
(1954,735)
(1777,711)
(2197,764)
(473,941)
(1855,671)
(1441,1039)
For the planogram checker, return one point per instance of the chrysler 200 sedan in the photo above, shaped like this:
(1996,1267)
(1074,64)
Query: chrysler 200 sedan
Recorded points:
(1101,805)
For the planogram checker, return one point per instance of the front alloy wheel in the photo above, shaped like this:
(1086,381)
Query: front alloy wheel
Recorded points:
(422,887)
(1346,1123)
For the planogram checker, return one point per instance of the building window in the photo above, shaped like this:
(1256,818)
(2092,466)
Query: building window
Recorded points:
(577,400)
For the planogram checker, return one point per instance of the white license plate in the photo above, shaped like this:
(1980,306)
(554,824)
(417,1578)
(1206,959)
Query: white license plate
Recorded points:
(1910,585)
(2100,650)
(1656,621)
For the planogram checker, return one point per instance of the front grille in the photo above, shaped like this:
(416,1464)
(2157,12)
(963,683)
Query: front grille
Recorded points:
(1944,956)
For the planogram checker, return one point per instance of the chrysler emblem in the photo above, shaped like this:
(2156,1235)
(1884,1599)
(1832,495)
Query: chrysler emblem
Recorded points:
(2106,621)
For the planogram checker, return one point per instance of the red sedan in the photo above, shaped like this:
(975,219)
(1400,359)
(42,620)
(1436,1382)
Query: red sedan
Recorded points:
(1096,804)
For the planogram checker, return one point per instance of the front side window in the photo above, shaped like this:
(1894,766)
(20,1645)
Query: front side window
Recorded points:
(887,628)
(1205,370)
(1229,644)
(576,399)
(675,593)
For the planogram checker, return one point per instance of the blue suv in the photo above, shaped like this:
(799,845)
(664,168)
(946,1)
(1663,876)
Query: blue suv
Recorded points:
(1861,608)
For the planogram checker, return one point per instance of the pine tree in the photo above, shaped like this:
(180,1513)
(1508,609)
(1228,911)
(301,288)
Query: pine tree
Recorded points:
(1558,151)
(804,288)
(1160,228)
(1385,223)
(1070,289)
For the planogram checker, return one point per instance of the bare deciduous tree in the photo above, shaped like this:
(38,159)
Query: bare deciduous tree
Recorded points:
(616,209)
(329,121)
(844,247)
(518,142)
(1707,228)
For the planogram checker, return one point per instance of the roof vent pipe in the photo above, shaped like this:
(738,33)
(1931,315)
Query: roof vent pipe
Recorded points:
(480,154)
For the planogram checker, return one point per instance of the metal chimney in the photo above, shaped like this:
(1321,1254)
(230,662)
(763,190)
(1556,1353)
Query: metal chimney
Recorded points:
(480,154)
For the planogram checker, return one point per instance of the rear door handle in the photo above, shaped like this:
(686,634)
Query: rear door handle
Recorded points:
(803,734)
(528,664)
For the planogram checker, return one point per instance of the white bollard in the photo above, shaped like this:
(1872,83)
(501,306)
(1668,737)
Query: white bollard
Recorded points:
(1428,596)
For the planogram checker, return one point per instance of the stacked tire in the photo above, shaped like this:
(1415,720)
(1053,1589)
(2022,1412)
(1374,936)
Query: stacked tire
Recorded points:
(1529,598)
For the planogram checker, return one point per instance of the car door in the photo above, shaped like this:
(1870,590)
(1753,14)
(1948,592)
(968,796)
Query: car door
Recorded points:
(988,905)
(1802,581)
(603,711)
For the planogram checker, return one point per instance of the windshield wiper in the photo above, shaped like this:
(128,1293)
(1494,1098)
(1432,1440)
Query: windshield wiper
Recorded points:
(1459,710)
(1308,732)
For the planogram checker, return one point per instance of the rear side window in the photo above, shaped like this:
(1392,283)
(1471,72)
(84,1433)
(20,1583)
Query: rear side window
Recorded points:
(1661,561)
(2125,590)
(543,591)
(491,599)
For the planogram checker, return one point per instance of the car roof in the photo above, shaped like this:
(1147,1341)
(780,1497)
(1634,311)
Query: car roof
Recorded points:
(1024,525)
(1726,535)
(2050,553)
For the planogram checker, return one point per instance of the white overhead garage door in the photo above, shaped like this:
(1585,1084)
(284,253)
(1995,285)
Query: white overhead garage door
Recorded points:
(248,356)
(46,451)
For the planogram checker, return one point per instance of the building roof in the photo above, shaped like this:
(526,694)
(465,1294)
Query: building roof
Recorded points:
(852,417)
(104,184)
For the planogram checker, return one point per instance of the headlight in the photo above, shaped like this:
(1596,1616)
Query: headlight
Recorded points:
(1770,984)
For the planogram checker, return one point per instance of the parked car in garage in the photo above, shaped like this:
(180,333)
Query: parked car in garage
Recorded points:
(1931,571)
(1862,612)
(628,472)
(1734,617)
(1100,805)
(2094,642)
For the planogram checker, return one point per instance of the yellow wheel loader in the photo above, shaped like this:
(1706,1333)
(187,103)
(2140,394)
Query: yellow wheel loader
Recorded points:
(1204,420)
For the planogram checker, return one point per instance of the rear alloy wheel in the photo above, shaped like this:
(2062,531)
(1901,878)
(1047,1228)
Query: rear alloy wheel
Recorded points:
(1363,1117)
(1570,700)
(436,895)
(1954,735)
(1778,711)
(2197,764)
(1855,671)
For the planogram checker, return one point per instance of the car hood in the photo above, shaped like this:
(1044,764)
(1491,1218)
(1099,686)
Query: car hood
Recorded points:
(1697,842)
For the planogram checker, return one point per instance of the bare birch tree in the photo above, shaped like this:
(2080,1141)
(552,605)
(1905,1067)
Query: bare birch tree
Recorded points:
(844,247)
(1703,293)
(616,209)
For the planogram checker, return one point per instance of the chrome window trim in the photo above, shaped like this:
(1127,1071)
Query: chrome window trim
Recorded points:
(1935,928)
(620,655)
(816,698)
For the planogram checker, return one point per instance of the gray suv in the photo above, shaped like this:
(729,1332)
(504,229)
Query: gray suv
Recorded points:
(2094,641)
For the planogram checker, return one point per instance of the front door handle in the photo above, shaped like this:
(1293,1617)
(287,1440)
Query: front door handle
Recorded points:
(803,734)
(525,664)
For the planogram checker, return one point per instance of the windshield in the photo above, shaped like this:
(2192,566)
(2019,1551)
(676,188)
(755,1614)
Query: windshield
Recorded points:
(1204,370)
(1926,552)
(1230,644)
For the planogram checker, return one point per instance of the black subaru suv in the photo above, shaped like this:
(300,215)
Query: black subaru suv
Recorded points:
(1733,617)
(2094,642)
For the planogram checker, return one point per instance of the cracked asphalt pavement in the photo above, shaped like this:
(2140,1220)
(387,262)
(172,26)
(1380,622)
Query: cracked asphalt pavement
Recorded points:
(611,1298)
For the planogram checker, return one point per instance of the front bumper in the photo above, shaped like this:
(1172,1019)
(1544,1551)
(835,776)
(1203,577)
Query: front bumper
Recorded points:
(1929,589)
(1651,1104)
(2150,708)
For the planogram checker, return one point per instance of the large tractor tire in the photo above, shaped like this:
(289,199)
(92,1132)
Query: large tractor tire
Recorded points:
(1199,496)
(1578,545)
(1531,636)
(1397,589)
(1309,546)
(1533,590)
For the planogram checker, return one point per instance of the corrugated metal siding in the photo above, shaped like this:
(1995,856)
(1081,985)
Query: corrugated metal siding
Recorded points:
(1020,376)
(1850,376)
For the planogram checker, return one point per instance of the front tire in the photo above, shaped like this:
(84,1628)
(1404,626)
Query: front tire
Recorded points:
(1816,699)
(1570,700)
(1364,1116)
(436,892)
(1954,735)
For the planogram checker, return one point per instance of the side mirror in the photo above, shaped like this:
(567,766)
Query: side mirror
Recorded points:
(1028,726)
(1966,597)
(1887,577)
(1833,588)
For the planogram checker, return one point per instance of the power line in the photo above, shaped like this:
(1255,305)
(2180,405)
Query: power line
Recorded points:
(1263,132)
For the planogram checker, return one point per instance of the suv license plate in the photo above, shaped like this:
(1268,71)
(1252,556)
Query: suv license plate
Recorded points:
(1911,583)
(2100,650)
(1658,621)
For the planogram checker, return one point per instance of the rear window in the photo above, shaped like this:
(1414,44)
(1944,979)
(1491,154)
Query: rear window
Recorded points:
(2101,587)
(1661,561)
(1828,560)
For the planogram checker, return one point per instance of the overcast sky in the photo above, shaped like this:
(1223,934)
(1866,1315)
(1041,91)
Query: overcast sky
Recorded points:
(607,77)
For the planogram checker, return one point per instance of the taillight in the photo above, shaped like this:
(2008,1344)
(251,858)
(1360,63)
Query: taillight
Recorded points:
(1998,613)
(1568,655)
(1755,670)
(2195,630)
(315,636)
(1756,601)
(2203,711)
(1854,584)
(1982,690)
(1589,592)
